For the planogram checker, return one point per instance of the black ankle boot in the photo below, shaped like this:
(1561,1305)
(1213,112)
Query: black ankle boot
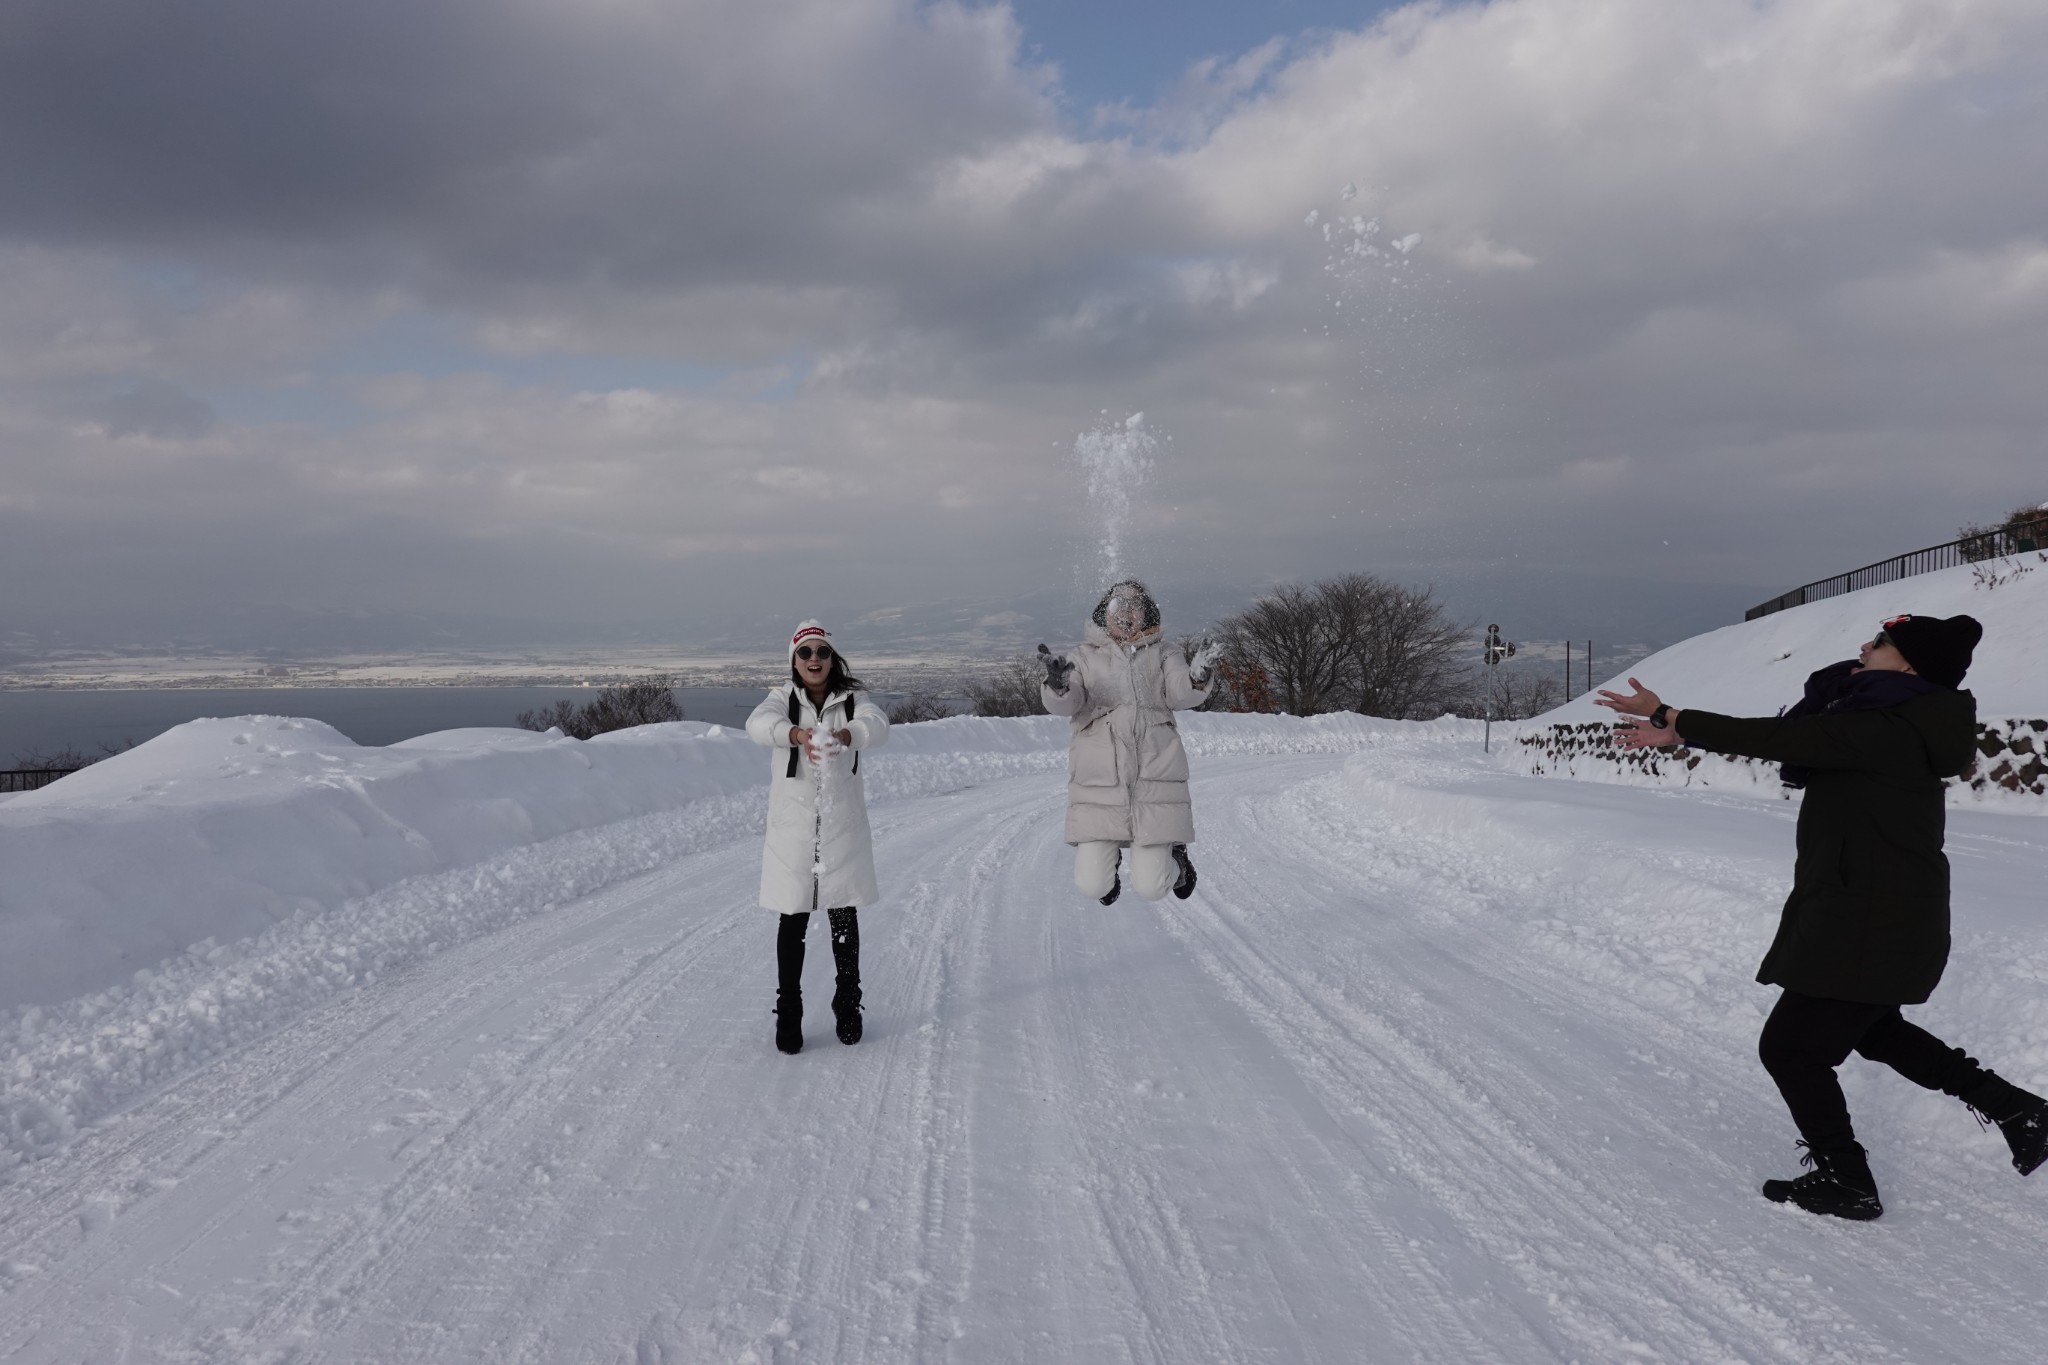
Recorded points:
(1116,888)
(846,965)
(789,975)
(2021,1115)
(1840,1184)
(789,1021)
(1185,887)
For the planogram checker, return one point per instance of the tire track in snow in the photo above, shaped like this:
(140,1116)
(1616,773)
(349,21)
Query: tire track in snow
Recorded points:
(1441,1122)
(332,1067)
(151,1148)
(370,1254)
(1586,1239)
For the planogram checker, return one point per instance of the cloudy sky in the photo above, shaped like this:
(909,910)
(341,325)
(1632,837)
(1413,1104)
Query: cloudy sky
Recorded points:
(665,314)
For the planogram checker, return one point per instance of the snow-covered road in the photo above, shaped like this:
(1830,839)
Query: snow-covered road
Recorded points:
(1437,1065)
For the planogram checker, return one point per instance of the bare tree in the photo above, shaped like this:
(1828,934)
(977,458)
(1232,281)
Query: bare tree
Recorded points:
(64,760)
(1514,693)
(1289,638)
(1404,656)
(68,759)
(2024,528)
(1353,643)
(649,701)
(1010,690)
(918,706)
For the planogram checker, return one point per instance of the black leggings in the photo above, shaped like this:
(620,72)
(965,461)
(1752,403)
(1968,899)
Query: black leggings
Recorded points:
(1807,1037)
(789,947)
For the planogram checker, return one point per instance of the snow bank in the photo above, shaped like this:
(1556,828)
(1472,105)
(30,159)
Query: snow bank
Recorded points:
(179,899)
(219,829)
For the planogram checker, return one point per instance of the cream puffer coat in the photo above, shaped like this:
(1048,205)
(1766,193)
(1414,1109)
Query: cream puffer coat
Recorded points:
(1127,774)
(818,854)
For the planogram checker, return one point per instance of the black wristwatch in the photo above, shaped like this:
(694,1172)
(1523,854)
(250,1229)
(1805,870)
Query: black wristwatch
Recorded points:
(1660,719)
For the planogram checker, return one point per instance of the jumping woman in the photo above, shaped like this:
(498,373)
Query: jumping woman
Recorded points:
(1127,774)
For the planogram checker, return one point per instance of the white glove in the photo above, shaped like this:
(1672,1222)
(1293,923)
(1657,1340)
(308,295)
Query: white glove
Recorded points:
(1204,660)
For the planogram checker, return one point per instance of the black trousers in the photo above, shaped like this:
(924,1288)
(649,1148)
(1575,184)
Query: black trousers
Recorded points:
(1807,1037)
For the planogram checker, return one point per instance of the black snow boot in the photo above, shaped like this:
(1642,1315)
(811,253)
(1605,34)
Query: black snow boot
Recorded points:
(1116,888)
(1185,886)
(1840,1184)
(846,965)
(789,976)
(2021,1115)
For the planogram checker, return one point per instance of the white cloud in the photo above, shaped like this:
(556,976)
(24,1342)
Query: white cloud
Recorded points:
(1758,259)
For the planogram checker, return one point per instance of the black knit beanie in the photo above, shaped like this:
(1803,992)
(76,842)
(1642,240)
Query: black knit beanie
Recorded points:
(1938,647)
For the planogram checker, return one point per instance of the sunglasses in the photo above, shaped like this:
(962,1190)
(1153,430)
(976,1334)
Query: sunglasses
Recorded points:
(805,652)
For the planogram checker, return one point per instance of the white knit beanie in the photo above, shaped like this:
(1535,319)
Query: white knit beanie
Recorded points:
(809,633)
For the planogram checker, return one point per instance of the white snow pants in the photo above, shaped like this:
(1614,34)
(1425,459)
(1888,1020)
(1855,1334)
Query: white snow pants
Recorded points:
(1153,871)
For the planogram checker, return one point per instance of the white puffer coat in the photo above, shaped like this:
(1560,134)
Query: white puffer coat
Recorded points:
(1127,774)
(818,854)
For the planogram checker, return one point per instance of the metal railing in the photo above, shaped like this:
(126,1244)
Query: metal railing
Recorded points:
(30,779)
(2017,538)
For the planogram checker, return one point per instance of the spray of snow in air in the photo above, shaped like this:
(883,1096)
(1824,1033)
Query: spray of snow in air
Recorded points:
(825,743)
(1118,458)
(1402,320)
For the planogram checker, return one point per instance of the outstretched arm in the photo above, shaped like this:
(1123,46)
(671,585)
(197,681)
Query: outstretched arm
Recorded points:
(1063,691)
(1861,741)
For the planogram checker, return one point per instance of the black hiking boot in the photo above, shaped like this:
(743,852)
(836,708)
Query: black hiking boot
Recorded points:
(789,1021)
(1840,1184)
(1116,888)
(2021,1115)
(846,965)
(1184,887)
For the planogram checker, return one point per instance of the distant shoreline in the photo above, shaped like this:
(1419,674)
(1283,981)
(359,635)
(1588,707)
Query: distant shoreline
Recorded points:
(886,672)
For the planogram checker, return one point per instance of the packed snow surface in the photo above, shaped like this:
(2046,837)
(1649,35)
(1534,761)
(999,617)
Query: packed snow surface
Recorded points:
(461,1051)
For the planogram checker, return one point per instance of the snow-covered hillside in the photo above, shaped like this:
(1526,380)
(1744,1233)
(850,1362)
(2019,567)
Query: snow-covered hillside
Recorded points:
(1754,668)
(1759,667)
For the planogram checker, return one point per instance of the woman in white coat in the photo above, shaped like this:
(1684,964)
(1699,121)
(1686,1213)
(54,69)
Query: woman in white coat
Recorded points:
(1127,774)
(818,851)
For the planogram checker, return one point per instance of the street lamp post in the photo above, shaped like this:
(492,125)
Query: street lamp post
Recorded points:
(1496,650)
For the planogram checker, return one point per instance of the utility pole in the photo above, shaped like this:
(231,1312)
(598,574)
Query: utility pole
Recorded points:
(1567,670)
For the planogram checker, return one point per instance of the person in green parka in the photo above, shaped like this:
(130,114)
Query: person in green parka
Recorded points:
(1866,928)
